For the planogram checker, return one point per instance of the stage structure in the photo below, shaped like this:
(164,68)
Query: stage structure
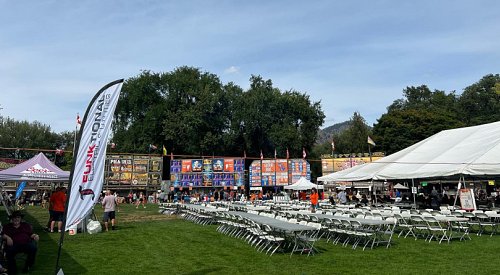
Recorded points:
(278,172)
(207,172)
(133,171)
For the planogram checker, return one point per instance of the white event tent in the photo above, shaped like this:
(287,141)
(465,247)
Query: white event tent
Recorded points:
(303,184)
(473,151)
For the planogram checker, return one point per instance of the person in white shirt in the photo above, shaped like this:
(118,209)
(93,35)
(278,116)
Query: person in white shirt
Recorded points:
(342,197)
(109,203)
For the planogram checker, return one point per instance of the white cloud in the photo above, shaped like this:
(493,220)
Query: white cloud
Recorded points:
(232,70)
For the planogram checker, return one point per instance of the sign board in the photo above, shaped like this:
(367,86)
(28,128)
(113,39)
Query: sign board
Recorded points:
(217,172)
(331,165)
(467,199)
(491,182)
(414,190)
(423,183)
(278,172)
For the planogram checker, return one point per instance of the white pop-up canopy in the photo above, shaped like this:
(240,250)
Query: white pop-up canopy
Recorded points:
(464,151)
(400,186)
(303,184)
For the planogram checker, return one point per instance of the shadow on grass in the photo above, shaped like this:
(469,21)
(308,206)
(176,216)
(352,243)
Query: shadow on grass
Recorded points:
(48,246)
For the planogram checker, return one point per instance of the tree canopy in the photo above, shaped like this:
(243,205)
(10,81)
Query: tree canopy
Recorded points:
(422,113)
(192,113)
(24,134)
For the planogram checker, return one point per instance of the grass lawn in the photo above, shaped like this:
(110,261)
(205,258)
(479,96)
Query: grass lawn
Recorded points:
(146,242)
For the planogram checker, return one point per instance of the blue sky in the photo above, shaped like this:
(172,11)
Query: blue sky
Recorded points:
(350,55)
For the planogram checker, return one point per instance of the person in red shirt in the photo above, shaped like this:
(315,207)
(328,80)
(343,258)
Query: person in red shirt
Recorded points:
(302,196)
(314,200)
(58,201)
(19,238)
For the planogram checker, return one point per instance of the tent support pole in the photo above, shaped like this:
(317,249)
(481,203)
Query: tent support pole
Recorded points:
(414,195)
(458,190)
(375,192)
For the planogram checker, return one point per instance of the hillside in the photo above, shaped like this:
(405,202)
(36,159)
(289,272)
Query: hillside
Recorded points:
(326,134)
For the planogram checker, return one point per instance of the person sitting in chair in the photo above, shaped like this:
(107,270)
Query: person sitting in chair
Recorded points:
(19,238)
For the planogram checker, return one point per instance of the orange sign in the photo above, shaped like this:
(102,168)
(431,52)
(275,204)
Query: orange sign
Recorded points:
(228,165)
(268,166)
(186,166)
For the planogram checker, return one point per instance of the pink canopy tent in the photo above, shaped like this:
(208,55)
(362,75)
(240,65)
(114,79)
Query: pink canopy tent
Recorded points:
(38,168)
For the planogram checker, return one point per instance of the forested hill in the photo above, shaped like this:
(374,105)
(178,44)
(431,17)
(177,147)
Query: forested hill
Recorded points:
(326,134)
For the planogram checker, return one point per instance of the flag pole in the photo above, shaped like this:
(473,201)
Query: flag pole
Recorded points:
(261,157)
(275,178)
(74,139)
(370,152)
(289,171)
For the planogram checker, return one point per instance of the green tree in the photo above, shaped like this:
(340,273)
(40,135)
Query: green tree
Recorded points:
(399,129)
(197,110)
(353,139)
(234,136)
(272,120)
(192,113)
(480,102)
(418,115)
(138,115)
(65,141)
(24,134)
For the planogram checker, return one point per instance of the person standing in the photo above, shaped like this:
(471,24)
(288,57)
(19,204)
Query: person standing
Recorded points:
(129,197)
(58,201)
(19,238)
(314,200)
(142,199)
(342,197)
(332,199)
(44,199)
(109,203)
(51,212)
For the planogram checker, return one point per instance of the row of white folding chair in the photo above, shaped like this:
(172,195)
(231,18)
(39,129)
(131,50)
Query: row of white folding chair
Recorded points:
(384,233)
(431,227)
(483,220)
(197,217)
(263,237)
(436,229)
(345,232)
(269,215)
(231,225)
(304,241)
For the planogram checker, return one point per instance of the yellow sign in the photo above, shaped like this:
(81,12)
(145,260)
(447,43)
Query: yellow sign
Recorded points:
(491,182)
(338,164)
